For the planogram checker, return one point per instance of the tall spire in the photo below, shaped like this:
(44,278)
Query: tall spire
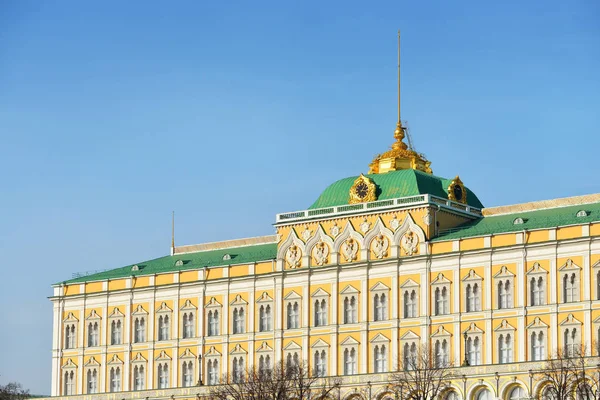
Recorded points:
(400,156)
(173,233)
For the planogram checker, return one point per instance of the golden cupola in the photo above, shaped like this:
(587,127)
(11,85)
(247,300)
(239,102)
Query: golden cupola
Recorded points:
(400,156)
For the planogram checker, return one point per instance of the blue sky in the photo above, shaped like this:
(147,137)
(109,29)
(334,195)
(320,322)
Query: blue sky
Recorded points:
(113,114)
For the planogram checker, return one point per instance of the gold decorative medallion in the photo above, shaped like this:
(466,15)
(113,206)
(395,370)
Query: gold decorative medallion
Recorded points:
(457,191)
(362,191)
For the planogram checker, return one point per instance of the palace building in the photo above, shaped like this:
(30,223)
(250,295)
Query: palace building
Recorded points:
(379,264)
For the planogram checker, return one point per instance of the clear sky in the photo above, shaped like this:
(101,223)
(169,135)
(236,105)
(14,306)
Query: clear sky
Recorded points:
(112,114)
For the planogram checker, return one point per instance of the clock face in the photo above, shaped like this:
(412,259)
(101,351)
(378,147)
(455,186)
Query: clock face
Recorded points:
(361,189)
(458,192)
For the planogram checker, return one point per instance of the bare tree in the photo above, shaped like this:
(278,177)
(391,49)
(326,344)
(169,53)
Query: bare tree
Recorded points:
(13,391)
(423,375)
(568,377)
(280,383)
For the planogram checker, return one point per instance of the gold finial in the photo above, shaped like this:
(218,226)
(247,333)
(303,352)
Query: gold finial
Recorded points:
(400,156)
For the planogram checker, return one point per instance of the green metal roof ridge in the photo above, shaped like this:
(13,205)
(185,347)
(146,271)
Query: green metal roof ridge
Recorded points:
(533,219)
(201,259)
(391,185)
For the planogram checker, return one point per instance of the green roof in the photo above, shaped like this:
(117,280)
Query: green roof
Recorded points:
(391,185)
(537,219)
(209,258)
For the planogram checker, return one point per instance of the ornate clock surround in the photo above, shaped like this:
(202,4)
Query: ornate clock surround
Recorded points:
(363,190)
(457,191)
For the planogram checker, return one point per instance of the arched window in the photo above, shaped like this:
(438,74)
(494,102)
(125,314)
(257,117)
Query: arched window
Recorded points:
(138,377)
(570,293)
(410,304)
(238,369)
(549,393)
(350,310)
(264,365)
(115,379)
(518,393)
(293,313)
(441,300)
(537,346)
(163,327)
(380,304)
(239,320)
(409,356)
(350,361)
(570,341)
(473,298)
(442,356)
(320,363)
(213,372)
(380,358)
(505,348)
(213,323)
(115,337)
(92,381)
(484,394)
(187,369)
(504,294)
(188,325)
(93,334)
(265,318)
(139,330)
(451,395)
(163,376)
(69,383)
(320,312)
(474,350)
(537,291)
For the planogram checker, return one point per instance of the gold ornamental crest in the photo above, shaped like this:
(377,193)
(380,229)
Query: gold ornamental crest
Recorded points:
(457,191)
(363,190)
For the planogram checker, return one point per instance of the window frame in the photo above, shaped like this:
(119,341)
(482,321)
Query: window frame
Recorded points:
(186,310)
(212,307)
(439,284)
(163,329)
(116,320)
(469,282)
(140,314)
(375,294)
(238,314)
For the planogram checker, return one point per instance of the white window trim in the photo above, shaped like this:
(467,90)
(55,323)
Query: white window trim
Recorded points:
(408,287)
(536,271)
(235,355)
(320,295)
(377,342)
(190,309)
(162,360)
(117,364)
(139,361)
(441,282)
(441,334)
(139,313)
(185,358)
(570,323)
(567,269)
(503,330)
(265,351)
(348,344)
(504,276)
(238,304)
(212,355)
(92,365)
(163,311)
(93,318)
(596,281)
(596,337)
(320,346)
(471,279)
(537,326)
(116,316)
(69,322)
(409,338)
(69,368)
(292,298)
(264,301)
(349,292)
(474,332)
(213,305)
(378,289)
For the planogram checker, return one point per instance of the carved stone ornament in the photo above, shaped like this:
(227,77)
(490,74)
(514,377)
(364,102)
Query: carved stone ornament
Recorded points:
(350,249)
(410,243)
(365,226)
(306,234)
(293,256)
(427,218)
(380,246)
(394,223)
(362,191)
(335,230)
(321,253)
(457,191)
